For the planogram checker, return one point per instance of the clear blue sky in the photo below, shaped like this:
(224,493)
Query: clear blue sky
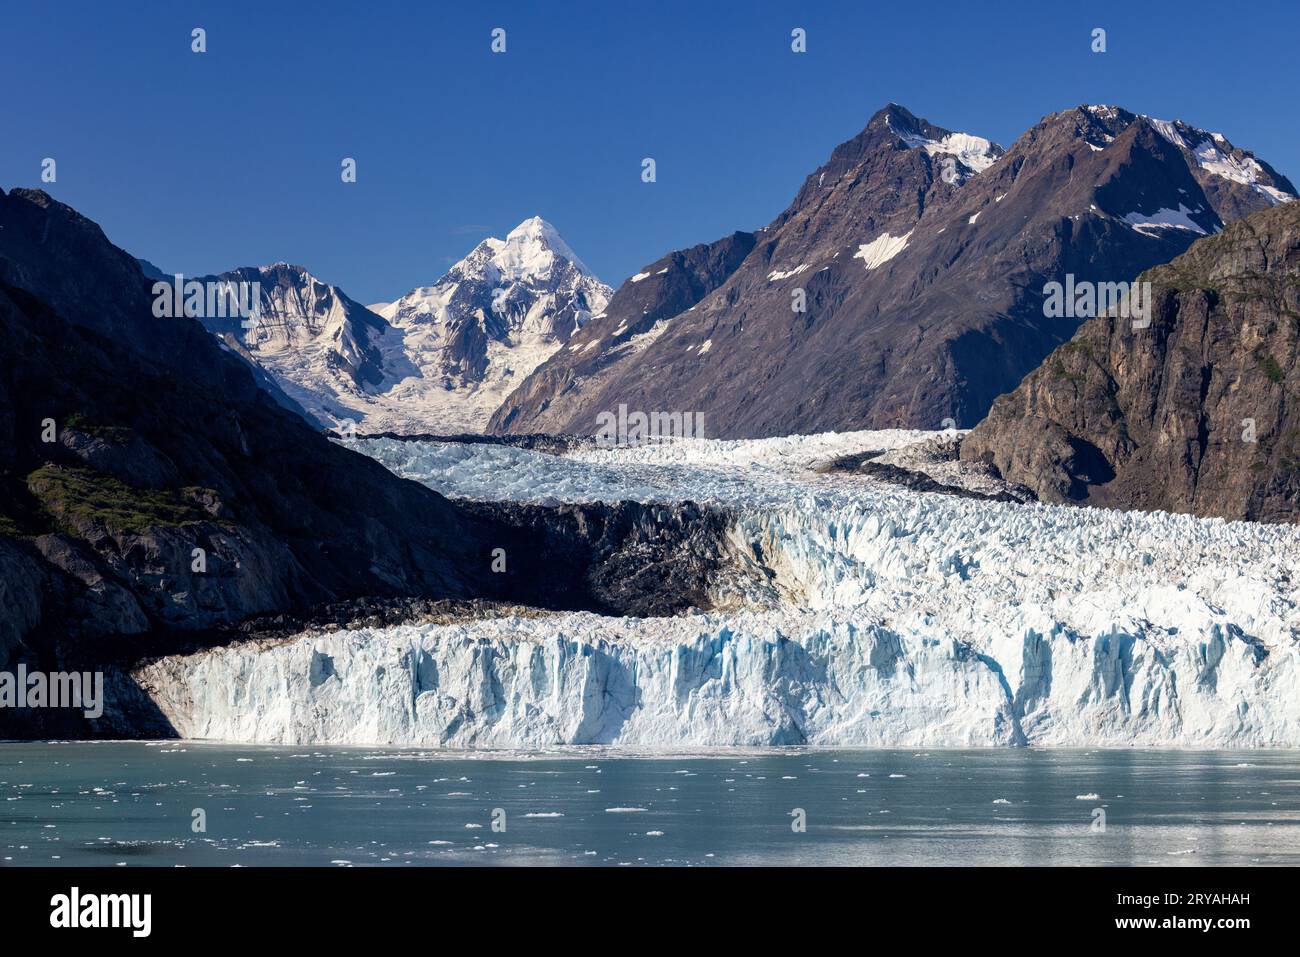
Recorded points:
(206,162)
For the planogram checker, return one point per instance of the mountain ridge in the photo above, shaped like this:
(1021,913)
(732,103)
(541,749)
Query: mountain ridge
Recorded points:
(921,279)
(438,359)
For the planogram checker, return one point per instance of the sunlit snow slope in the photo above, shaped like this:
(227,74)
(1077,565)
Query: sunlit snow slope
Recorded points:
(893,618)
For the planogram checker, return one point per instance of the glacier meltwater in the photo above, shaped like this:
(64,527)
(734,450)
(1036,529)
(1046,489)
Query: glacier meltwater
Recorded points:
(894,618)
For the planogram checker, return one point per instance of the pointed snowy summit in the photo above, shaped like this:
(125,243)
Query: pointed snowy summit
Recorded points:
(974,153)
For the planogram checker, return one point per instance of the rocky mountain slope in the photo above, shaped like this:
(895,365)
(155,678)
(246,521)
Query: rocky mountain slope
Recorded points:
(904,284)
(636,315)
(1199,412)
(127,441)
(328,353)
(149,488)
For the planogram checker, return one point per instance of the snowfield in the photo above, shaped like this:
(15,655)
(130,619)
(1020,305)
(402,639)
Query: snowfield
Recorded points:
(894,618)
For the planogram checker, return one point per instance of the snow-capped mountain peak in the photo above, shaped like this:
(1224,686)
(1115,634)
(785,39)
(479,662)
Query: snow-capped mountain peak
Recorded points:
(323,349)
(1210,154)
(296,308)
(975,153)
(439,359)
(533,246)
(1218,157)
(529,253)
(533,255)
(531,279)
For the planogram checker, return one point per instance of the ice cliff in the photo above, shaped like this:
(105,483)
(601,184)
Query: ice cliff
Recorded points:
(890,618)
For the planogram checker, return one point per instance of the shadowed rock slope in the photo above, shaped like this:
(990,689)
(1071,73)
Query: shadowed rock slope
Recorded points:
(1198,413)
(148,487)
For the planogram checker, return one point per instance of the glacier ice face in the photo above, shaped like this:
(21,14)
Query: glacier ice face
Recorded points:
(895,618)
(580,679)
(701,681)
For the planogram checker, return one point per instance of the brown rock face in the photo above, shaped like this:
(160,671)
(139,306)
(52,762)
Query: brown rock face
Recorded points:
(552,399)
(1198,413)
(921,256)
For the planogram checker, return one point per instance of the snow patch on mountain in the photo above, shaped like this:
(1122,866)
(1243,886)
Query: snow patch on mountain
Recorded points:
(777,275)
(1179,218)
(882,249)
(1216,155)
(974,152)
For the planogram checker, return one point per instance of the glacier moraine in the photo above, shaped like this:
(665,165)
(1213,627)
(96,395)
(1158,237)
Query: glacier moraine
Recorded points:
(895,618)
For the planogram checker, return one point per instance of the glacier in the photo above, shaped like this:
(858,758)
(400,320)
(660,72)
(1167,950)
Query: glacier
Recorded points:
(887,618)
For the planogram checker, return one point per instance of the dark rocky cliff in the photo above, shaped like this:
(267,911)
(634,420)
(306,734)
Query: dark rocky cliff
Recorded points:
(1199,412)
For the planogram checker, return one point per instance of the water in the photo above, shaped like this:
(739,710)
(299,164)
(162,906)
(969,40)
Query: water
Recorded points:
(132,803)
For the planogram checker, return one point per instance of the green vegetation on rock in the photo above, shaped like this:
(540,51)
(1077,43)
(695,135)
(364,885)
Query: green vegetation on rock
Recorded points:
(82,423)
(1269,366)
(76,496)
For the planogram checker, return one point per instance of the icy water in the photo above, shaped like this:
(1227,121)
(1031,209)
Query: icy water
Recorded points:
(133,803)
